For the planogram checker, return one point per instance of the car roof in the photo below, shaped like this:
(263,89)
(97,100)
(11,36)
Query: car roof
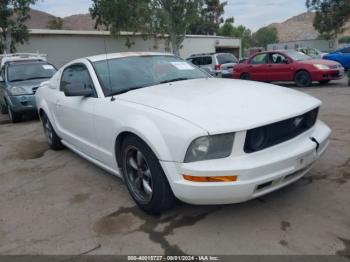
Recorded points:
(124,54)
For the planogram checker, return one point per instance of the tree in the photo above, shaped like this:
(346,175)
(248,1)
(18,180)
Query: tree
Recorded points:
(55,23)
(148,17)
(331,16)
(208,20)
(13,14)
(228,29)
(265,36)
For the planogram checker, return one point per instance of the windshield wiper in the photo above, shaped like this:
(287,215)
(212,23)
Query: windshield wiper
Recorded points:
(174,80)
(27,79)
(40,77)
(18,80)
(126,90)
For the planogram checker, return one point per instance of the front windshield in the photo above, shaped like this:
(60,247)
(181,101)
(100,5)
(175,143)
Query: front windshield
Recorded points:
(297,56)
(29,71)
(123,74)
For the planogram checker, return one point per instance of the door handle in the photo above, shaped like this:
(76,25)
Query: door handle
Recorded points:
(58,104)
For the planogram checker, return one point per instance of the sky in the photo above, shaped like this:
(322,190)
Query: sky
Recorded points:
(253,14)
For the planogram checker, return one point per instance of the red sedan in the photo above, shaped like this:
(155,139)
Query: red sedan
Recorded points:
(288,65)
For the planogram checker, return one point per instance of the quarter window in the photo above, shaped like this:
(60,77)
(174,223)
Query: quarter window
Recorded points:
(76,74)
(207,60)
(200,61)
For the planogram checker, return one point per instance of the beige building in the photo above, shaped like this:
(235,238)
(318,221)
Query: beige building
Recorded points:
(62,46)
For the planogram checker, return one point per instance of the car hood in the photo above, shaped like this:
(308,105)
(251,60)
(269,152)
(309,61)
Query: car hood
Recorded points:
(28,85)
(224,105)
(320,62)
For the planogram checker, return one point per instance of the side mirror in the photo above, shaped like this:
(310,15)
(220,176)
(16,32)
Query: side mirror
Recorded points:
(1,79)
(286,61)
(78,89)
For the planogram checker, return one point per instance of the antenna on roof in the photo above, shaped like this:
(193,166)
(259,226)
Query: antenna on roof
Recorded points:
(108,67)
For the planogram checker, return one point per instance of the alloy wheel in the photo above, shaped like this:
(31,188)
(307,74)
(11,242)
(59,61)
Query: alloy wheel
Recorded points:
(10,112)
(48,130)
(138,174)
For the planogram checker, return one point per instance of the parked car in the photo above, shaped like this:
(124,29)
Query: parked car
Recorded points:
(19,80)
(288,65)
(216,64)
(341,56)
(172,131)
(312,52)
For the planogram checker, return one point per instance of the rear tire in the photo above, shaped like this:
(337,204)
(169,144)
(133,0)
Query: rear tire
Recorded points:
(303,79)
(144,177)
(14,117)
(245,76)
(52,138)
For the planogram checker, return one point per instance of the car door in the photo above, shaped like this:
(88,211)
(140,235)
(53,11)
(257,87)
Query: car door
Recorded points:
(258,68)
(75,115)
(280,68)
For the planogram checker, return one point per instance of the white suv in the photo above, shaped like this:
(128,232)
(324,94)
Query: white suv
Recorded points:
(216,64)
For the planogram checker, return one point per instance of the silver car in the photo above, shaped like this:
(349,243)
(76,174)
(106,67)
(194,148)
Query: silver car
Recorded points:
(216,64)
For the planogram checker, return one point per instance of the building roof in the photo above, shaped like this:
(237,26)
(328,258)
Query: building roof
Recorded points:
(107,33)
(124,54)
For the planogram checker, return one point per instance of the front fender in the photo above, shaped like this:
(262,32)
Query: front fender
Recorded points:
(167,135)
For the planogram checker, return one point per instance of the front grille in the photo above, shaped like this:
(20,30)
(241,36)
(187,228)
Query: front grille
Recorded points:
(267,136)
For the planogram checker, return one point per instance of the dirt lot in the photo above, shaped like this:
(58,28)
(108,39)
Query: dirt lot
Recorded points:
(58,203)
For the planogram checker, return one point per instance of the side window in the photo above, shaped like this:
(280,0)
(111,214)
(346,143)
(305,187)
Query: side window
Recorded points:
(259,59)
(277,58)
(76,74)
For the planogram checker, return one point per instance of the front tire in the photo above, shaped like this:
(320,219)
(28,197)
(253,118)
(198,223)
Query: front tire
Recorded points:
(144,177)
(303,79)
(52,138)
(14,117)
(245,76)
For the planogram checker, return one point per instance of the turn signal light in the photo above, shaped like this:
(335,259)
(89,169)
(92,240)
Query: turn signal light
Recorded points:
(210,178)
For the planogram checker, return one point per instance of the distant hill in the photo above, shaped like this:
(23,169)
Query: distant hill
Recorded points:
(40,20)
(299,27)
(79,22)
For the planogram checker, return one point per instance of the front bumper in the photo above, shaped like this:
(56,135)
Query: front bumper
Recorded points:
(258,173)
(323,75)
(22,104)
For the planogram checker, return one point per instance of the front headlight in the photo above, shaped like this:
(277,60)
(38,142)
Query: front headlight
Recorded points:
(210,147)
(322,67)
(18,91)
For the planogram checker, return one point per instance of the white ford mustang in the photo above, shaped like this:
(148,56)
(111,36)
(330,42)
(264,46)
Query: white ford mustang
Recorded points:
(171,131)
